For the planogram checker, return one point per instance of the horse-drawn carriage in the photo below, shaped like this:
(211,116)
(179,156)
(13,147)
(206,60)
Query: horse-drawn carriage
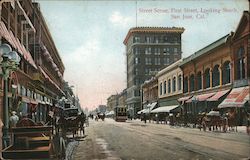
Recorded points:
(71,121)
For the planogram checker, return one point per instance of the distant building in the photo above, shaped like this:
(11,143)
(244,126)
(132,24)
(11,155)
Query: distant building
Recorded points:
(112,102)
(148,50)
(102,108)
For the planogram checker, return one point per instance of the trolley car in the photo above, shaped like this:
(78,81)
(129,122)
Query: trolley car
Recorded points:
(120,114)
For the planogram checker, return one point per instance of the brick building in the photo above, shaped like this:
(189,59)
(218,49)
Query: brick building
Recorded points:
(35,87)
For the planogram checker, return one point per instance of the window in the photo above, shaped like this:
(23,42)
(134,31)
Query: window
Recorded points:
(146,71)
(240,64)
(166,61)
(174,84)
(136,39)
(157,51)
(147,39)
(175,50)
(165,87)
(169,86)
(226,73)
(157,61)
(207,78)
(136,71)
(191,81)
(179,82)
(156,40)
(137,60)
(148,61)
(165,39)
(199,81)
(136,51)
(161,89)
(185,84)
(216,76)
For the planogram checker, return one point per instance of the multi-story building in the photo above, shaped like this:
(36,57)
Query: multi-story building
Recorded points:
(122,99)
(36,86)
(112,102)
(149,94)
(218,74)
(148,49)
(170,84)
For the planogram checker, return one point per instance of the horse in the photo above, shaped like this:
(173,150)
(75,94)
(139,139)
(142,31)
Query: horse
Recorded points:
(232,120)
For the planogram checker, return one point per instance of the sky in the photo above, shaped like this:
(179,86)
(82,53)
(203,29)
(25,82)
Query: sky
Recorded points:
(89,35)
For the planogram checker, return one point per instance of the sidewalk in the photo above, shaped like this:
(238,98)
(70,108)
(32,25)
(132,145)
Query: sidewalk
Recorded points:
(240,129)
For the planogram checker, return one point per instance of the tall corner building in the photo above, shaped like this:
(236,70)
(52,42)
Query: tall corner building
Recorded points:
(148,50)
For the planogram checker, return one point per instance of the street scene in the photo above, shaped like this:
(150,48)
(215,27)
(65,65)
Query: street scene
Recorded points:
(124,80)
(136,140)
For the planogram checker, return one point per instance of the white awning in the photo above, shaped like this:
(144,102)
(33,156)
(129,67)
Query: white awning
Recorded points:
(110,113)
(141,111)
(164,109)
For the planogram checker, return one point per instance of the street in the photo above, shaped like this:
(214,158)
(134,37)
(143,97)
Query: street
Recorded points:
(135,140)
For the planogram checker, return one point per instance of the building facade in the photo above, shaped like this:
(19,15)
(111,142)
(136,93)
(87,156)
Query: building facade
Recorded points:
(148,49)
(37,84)
(112,102)
(170,85)
(217,76)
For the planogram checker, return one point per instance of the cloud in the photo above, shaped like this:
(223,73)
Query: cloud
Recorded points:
(118,19)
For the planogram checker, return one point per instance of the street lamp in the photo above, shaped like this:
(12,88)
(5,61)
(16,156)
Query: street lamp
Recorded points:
(9,62)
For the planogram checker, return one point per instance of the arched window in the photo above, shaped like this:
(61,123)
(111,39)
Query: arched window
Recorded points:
(207,78)
(174,84)
(185,84)
(240,64)
(169,86)
(191,81)
(199,81)
(226,73)
(216,76)
(165,87)
(161,89)
(179,82)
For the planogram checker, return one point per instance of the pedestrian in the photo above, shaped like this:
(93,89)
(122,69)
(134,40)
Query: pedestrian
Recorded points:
(13,119)
(248,123)
(144,117)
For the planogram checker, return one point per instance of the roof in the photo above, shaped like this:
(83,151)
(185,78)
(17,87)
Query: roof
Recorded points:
(206,49)
(153,30)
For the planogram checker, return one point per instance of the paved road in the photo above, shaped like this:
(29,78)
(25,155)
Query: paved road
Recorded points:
(136,140)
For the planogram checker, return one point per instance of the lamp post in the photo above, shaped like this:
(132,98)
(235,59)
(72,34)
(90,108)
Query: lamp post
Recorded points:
(9,62)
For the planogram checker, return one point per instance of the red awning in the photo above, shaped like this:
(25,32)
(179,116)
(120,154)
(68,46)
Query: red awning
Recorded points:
(236,98)
(201,97)
(184,99)
(218,95)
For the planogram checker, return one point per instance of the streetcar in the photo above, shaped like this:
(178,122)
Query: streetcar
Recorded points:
(120,114)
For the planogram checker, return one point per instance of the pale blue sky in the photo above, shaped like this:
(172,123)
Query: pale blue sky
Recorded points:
(89,36)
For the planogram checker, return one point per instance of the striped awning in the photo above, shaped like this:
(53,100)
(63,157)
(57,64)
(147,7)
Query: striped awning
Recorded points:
(218,95)
(236,98)
(201,97)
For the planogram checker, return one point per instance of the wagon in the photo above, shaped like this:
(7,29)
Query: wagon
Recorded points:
(32,142)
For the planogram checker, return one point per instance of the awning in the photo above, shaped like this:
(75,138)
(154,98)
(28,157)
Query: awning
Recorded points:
(183,99)
(213,113)
(236,98)
(150,107)
(200,98)
(165,109)
(218,95)
(141,111)
(110,113)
